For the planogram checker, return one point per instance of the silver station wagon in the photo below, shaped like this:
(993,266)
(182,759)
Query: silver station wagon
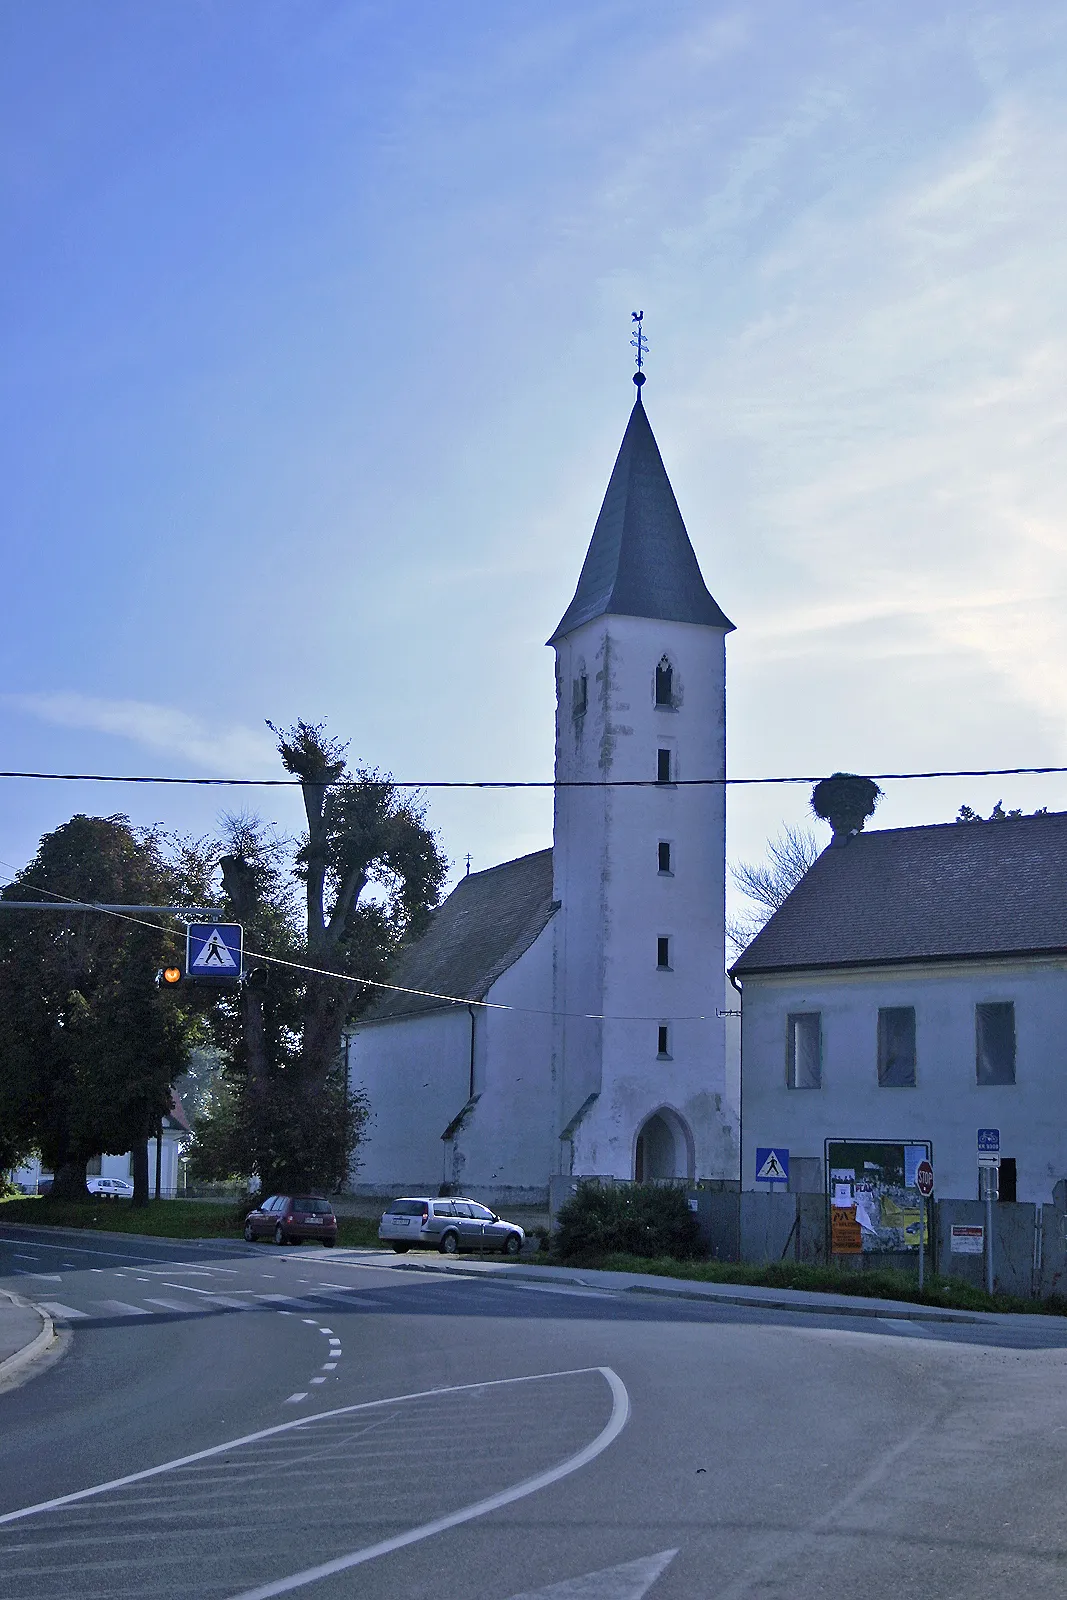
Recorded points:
(447,1225)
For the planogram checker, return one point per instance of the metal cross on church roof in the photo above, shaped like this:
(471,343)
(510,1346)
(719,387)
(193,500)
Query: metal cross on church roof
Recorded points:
(640,344)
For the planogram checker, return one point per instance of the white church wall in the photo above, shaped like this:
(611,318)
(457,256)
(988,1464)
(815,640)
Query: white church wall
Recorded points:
(503,1153)
(416,1071)
(617,903)
(947,1105)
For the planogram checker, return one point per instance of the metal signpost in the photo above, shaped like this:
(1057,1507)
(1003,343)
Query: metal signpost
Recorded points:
(988,1188)
(772,1166)
(924,1182)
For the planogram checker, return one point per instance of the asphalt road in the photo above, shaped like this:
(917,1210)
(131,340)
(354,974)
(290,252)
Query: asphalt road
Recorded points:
(234,1421)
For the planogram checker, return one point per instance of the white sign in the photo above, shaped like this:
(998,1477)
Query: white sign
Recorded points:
(966,1240)
(772,1169)
(215,955)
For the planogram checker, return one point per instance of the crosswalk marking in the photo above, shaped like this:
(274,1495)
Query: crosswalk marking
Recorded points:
(124,1308)
(171,1305)
(56,1309)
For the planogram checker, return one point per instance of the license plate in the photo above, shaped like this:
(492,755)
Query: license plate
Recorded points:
(314,1222)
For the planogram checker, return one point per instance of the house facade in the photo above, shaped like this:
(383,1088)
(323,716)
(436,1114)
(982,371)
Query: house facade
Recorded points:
(913,988)
(569,1017)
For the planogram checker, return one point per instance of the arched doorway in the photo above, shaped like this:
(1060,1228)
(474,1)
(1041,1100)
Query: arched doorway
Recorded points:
(663,1148)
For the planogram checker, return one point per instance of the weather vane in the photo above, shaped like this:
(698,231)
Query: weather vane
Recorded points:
(640,344)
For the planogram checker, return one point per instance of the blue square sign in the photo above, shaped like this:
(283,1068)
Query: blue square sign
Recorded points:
(772,1164)
(989,1141)
(214,952)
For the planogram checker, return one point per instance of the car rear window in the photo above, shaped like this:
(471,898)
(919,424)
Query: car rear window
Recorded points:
(312,1203)
(407,1208)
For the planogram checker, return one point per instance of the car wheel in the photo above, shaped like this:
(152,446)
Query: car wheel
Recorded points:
(450,1244)
(279,1236)
(329,1243)
(401,1249)
(512,1244)
(250,1233)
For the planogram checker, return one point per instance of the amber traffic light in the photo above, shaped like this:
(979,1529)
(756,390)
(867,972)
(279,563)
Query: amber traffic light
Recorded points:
(170,976)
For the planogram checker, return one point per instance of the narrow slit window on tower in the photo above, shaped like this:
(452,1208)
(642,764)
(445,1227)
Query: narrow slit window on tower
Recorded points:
(664,773)
(663,1042)
(581,695)
(665,683)
(665,856)
(663,954)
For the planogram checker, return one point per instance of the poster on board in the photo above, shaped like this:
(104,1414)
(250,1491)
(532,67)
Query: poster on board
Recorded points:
(874,1180)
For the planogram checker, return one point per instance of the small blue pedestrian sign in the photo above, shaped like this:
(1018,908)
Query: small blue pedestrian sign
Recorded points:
(772,1166)
(214,952)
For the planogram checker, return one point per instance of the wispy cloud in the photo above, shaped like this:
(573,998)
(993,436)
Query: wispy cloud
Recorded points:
(237,750)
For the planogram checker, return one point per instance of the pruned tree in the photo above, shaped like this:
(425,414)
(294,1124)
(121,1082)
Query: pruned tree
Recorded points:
(767,883)
(332,908)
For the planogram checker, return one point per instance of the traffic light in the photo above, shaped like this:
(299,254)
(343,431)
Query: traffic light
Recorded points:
(257,979)
(170,976)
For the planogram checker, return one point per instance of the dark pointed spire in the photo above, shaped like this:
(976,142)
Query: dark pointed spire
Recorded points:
(640,562)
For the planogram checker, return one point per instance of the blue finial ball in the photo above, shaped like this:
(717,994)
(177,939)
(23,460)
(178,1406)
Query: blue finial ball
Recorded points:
(639,378)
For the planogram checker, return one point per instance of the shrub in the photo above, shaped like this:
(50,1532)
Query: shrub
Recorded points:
(639,1219)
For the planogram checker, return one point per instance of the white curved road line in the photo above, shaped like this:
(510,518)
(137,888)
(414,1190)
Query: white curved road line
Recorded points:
(620,1412)
(303,1422)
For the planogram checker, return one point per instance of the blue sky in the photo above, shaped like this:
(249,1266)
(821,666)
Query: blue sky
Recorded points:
(316,318)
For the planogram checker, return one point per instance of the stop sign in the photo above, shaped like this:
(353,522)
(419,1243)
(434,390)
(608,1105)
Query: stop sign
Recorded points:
(924,1179)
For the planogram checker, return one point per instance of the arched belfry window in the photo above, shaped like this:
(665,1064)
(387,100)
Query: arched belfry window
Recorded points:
(665,683)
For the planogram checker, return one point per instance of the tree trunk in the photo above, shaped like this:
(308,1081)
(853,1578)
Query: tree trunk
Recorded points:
(68,1182)
(140,1173)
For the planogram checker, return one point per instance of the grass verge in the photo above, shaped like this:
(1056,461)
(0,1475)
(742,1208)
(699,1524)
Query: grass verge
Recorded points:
(160,1219)
(886,1284)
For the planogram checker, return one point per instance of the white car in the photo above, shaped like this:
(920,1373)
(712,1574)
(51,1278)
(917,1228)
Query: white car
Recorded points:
(447,1225)
(110,1188)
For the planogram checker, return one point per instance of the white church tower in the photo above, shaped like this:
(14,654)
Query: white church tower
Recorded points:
(639,856)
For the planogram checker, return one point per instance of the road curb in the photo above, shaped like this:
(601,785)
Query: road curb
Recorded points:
(15,1365)
(906,1312)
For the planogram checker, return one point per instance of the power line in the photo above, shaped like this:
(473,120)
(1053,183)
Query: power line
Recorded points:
(536,783)
(66,903)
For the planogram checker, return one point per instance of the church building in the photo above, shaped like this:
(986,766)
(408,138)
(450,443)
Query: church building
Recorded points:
(564,1012)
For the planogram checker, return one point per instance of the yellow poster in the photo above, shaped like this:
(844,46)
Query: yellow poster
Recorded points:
(846,1235)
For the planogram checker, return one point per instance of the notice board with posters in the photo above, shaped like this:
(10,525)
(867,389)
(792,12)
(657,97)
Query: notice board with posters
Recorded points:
(874,1203)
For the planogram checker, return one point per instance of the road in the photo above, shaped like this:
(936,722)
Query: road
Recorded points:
(232,1421)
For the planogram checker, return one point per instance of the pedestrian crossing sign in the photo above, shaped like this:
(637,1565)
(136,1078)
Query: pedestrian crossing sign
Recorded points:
(214,952)
(772,1166)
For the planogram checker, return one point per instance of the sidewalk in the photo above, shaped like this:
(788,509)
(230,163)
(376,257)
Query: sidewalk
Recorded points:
(26,1334)
(802,1300)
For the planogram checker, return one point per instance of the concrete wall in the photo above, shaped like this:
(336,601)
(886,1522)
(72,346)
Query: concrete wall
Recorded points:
(416,1071)
(1013,1245)
(946,1106)
(616,903)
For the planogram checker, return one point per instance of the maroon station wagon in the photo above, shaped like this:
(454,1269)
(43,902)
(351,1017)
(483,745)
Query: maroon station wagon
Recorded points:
(288,1218)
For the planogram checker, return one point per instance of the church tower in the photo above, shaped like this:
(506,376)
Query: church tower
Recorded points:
(639,856)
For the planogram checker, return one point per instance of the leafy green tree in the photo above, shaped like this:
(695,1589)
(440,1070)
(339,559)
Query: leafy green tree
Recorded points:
(319,914)
(89,1048)
(998,813)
